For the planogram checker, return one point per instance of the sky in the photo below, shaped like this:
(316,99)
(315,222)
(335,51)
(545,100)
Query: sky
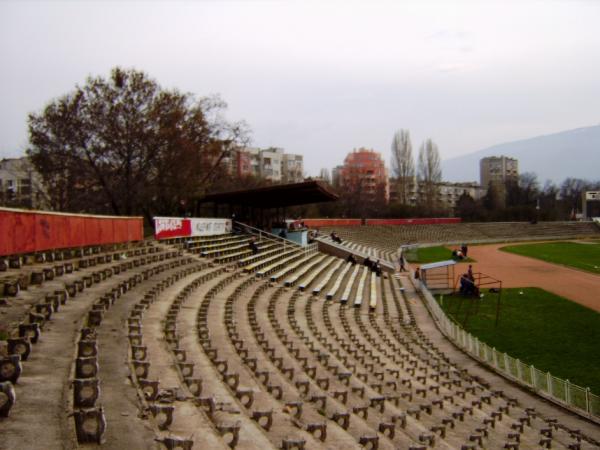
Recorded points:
(321,78)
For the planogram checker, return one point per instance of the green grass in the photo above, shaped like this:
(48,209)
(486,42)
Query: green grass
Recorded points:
(580,256)
(433,254)
(539,328)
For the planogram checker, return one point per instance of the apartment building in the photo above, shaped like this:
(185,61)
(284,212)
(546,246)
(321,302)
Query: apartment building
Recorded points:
(21,185)
(272,164)
(498,170)
(364,171)
(447,194)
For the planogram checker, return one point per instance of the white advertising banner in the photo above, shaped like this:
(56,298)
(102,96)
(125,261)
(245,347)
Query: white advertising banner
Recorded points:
(170,227)
(209,227)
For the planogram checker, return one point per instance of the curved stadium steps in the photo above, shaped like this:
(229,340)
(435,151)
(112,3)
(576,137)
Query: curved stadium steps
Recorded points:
(51,334)
(112,337)
(276,350)
(165,376)
(388,238)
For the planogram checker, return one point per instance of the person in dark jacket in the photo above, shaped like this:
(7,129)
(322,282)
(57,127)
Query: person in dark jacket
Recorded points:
(253,246)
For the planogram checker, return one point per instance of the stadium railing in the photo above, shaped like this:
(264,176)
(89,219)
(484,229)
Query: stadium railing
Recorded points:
(579,399)
(265,235)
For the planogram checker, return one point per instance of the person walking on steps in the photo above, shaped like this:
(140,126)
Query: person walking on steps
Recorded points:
(401,261)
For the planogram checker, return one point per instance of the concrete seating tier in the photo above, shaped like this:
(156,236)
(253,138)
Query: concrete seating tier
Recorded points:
(386,239)
(271,259)
(292,267)
(18,272)
(245,256)
(185,352)
(372,252)
(42,343)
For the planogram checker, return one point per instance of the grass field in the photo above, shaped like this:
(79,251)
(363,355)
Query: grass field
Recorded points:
(432,254)
(580,256)
(540,328)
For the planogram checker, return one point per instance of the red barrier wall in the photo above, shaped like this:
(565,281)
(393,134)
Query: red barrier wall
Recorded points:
(24,231)
(315,223)
(420,221)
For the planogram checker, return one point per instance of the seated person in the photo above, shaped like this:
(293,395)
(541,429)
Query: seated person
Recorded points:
(351,259)
(467,286)
(253,246)
(457,254)
(367,262)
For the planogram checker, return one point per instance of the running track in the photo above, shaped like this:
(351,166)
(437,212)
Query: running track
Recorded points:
(520,271)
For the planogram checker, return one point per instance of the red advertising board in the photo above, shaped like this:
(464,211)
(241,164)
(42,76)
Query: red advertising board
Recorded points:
(170,227)
(316,223)
(23,231)
(419,221)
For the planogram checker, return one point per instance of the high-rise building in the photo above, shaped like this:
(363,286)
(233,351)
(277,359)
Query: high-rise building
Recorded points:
(498,170)
(364,172)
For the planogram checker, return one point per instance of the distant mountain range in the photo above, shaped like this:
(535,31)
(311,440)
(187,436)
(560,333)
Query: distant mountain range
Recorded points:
(573,153)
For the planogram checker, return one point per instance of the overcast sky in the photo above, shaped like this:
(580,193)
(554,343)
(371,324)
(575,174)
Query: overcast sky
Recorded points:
(321,78)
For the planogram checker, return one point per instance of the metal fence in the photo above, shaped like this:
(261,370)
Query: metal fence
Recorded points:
(561,391)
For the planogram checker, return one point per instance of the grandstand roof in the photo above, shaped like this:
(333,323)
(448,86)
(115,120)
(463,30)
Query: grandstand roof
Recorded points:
(276,196)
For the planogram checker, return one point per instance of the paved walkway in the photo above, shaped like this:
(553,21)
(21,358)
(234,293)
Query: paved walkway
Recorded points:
(520,271)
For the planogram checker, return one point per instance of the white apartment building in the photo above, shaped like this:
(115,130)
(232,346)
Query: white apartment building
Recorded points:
(21,185)
(447,193)
(272,164)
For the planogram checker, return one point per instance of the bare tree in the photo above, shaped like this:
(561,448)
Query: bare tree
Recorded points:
(403,166)
(571,190)
(429,171)
(324,175)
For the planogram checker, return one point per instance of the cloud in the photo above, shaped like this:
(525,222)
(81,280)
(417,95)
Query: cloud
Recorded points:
(454,67)
(448,35)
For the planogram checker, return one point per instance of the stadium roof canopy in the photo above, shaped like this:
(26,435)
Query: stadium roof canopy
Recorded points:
(281,195)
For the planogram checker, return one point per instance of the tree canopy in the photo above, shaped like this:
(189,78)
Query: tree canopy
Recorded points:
(125,145)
